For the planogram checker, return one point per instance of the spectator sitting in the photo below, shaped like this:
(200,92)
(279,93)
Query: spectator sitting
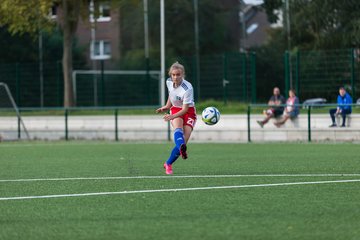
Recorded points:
(343,109)
(292,108)
(275,110)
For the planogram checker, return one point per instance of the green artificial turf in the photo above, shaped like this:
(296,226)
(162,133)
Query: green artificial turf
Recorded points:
(316,211)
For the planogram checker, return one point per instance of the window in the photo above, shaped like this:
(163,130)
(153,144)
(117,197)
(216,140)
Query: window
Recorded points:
(252,28)
(100,50)
(104,13)
(53,11)
(104,9)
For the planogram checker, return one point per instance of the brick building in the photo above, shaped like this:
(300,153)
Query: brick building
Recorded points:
(101,38)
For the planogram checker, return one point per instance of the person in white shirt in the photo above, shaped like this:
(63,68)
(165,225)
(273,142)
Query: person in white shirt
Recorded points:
(182,112)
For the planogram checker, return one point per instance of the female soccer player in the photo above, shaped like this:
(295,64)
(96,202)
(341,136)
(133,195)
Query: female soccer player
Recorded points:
(182,112)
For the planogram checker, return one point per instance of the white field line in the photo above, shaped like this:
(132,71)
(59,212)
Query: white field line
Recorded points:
(71,144)
(176,190)
(183,176)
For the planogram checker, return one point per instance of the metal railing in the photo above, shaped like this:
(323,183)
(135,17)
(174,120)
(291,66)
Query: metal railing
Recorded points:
(67,113)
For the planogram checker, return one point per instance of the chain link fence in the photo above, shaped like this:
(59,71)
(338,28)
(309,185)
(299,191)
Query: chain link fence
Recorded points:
(222,77)
(319,74)
(26,87)
(225,77)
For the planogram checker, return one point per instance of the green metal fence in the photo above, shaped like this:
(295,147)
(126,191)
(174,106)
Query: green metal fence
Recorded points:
(24,82)
(229,76)
(319,74)
(116,88)
(224,77)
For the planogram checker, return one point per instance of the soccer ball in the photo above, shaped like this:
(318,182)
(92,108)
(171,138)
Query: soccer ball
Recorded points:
(210,115)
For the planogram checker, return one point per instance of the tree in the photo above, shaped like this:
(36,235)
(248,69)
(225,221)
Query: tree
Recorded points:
(18,48)
(25,49)
(321,24)
(269,64)
(69,21)
(32,16)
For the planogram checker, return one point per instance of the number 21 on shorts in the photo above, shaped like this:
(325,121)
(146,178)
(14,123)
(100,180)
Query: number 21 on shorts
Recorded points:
(191,122)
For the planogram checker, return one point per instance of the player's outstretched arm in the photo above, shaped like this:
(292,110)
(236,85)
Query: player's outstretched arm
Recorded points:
(164,108)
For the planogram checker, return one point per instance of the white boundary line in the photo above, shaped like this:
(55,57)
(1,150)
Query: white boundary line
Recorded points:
(183,176)
(176,190)
(72,144)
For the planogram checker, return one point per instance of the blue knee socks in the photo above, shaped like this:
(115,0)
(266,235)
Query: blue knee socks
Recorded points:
(175,153)
(179,137)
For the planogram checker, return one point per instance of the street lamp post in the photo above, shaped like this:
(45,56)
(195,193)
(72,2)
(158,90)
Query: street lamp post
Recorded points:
(92,50)
(146,33)
(197,46)
(162,50)
(41,69)
(288,33)
(243,27)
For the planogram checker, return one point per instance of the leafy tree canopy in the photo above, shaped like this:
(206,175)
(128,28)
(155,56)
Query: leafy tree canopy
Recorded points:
(320,24)
(23,16)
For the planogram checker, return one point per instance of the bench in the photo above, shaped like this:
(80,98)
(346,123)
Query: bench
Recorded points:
(338,119)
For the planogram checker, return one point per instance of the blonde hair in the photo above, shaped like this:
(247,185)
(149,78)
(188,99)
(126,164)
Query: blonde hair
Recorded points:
(177,65)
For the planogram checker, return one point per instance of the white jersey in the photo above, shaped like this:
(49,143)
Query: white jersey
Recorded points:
(183,94)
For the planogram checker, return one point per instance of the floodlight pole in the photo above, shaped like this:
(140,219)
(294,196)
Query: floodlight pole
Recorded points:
(242,37)
(41,69)
(146,43)
(146,29)
(41,64)
(162,50)
(288,31)
(92,49)
(197,47)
